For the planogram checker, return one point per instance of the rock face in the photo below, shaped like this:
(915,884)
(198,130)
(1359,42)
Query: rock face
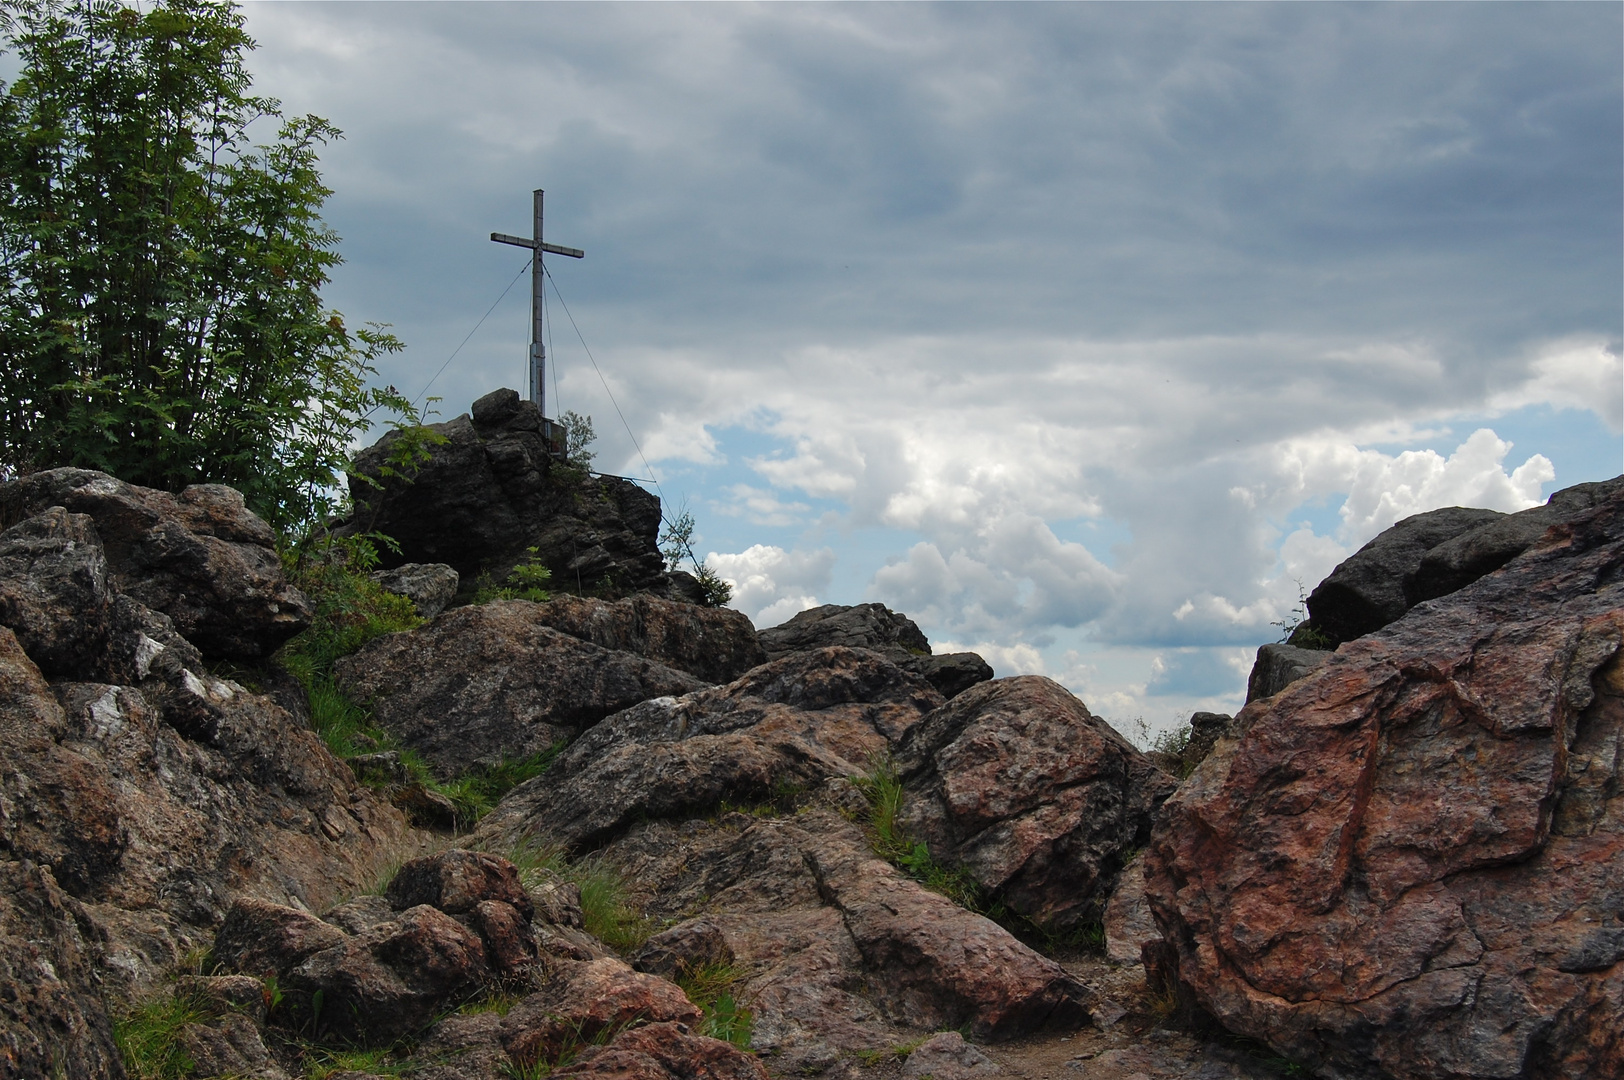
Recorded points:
(494,680)
(52,1020)
(491,492)
(199,557)
(152,790)
(790,723)
(1409,863)
(1038,799)
(876,627)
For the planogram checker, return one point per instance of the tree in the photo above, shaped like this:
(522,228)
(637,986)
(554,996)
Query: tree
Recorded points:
(162,316)
(678,540)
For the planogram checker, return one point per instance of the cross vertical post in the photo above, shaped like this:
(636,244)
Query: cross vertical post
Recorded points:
(538,352)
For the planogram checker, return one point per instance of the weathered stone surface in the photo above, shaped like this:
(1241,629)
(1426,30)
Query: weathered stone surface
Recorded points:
(491,492)
(480,683)
(1129,923)
(1038,799)
(950,673)
(666,1051)
(388,981)
(1409,864)
(510,944)
(359,914)
(155,806)
(793,722)
(456,881)
(1278,666)
(817,997)
(259,938)
(229,1046)
(863,626)
(54,591)
(681,949)
(200,557)
(588,999)
(714,644)
(933,964)
(946,1056)
(429,586)
(1366,591)
(52,1020)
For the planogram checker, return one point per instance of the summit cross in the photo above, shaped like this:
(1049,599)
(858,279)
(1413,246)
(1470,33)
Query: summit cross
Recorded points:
(538,352)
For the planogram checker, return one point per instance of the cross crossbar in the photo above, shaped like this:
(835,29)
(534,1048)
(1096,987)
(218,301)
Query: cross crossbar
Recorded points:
(538,352)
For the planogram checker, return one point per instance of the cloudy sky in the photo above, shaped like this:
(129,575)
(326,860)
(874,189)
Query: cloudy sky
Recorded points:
(1080,333)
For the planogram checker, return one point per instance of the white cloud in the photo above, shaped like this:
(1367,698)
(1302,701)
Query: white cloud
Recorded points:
(1575,373)
(1387,489)
(771,584)
(761,507)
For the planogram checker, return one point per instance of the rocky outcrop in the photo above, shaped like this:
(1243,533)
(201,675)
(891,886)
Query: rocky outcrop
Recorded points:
(1040,801)
(490,492)
(876,627)
(665,1051)
(153,790)
(1278,666)
(1408,864)
(790,723)
(863,626)
(1431,555)
(714,644)
(429,586)
(200,557)
(494,680)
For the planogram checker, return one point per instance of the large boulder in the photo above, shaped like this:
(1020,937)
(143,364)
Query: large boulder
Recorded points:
(490,492)
(714,644)
(200,557)
(790,723)
(429,586)
(495,680)
(1369,589)
(1430,555)
(876,627)
(1039,800)
(1409,863)
(54,590)
(861,626)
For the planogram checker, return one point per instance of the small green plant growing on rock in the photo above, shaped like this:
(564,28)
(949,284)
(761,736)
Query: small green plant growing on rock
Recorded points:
(526,581)
(149,1038)
(710,986)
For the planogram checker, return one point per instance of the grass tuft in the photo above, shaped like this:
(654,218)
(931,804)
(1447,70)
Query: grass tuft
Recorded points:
(710,986)
(149,1038)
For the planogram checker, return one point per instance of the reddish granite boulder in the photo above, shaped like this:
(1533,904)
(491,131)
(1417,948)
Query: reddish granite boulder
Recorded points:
(666,1052)
(1041,801)
(1409,864)
(456,881)
(590,998)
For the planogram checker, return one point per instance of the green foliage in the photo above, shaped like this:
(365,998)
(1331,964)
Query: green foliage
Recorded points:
(323,1062)
(578,435)
(677,544)
(526,581)
(477,791)
(605,911)
(710,986)
(161,315)
(148,1038)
